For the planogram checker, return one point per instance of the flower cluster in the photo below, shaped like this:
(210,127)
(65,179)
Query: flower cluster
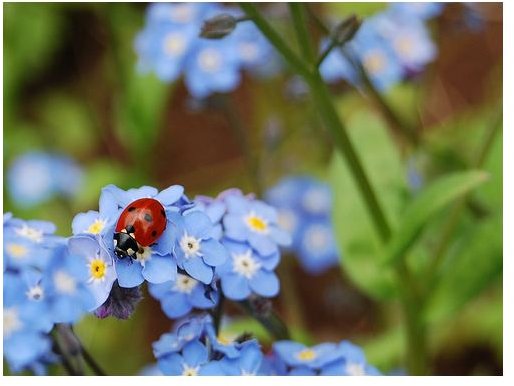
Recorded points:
(170,46)
(345,358)
(390,45)
(194,348)
(35,177)
(44,283)
(304,207)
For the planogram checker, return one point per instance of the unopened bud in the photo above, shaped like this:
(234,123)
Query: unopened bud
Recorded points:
(346,30)
(121,302)
(218,26)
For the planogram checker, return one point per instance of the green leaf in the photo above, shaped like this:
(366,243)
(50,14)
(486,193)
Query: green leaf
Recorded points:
(357,240)
(474,263)
(429,202)
(360,9)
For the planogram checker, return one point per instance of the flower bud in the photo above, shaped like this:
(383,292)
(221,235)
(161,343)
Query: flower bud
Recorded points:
(121,302)
(218,27)
(346,30)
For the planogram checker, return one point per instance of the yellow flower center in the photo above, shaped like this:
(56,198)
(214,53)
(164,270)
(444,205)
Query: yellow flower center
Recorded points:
(17,251)
(190,371)
(225,339)
(374,62)
(306,355)
(96,227)
(256,224)
(98,269)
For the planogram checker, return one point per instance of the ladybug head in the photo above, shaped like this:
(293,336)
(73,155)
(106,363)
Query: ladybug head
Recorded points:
(125,244)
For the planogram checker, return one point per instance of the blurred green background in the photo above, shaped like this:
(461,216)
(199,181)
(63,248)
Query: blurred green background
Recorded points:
(71,87)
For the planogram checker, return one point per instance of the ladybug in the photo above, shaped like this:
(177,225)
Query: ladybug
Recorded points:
(140,224)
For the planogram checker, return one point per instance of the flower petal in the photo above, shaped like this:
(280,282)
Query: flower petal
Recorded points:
(170,195)
(198,269)
(265,283)
(160,269)
(214,253)
(129,273)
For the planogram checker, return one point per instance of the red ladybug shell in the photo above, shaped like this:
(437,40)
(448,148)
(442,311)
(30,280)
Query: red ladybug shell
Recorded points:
(148,218)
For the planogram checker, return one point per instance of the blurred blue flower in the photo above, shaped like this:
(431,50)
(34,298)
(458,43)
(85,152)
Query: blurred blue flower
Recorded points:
(352,362)
(254,222)
(304,207)
(247,363)
(28,243)
(35,177)
(180,296)
(170,46)
(420,10)
(246,272)
(96,268)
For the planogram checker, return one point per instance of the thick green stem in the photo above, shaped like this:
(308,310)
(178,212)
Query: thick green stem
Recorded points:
(302,33)
(269,320)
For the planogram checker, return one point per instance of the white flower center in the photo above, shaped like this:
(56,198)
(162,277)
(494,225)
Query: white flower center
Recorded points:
(244,264)
(190,371)
(287,220)
(210,60)
(190,245)
(184,284)
(144,254)
(174,44)
(64,283)
(256,223)
(96,226)
(316,201)
(19,252)
(355,369)
(35,293)
(33,234)
(403,46)
(374,62)
(182,13)
(12,322)
(317,237)
(248,51)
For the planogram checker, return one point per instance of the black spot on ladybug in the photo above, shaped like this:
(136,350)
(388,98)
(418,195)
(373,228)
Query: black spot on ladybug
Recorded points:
(130,229)
(132,208)
(148,217)
(163,213)
(154,233)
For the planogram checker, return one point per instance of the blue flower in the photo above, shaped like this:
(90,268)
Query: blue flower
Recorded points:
(179,297)
(28,243)
(35,177)
(352,362)
(246,272)
(304,207)
(213,66)
(254,222)
(295,354)
(198,253)
(408,37)
(190,362)
(317,248)
(156,264)
(24,323)
(96,267)
(247,363)
(420,10)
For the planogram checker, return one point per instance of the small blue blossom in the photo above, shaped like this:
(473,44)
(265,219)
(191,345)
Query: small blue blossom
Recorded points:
(352,362)
(180,296)
(156,264)
(246,272)
(197,252)
(96,267)
(28,243)
(419,10)
(254,222)
(193,358)
(247,363)
(304,207)
(297,355)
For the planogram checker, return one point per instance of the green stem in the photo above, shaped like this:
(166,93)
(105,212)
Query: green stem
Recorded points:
(270,321)
(302,33)
(218,313)
(64,356)
(296,63)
